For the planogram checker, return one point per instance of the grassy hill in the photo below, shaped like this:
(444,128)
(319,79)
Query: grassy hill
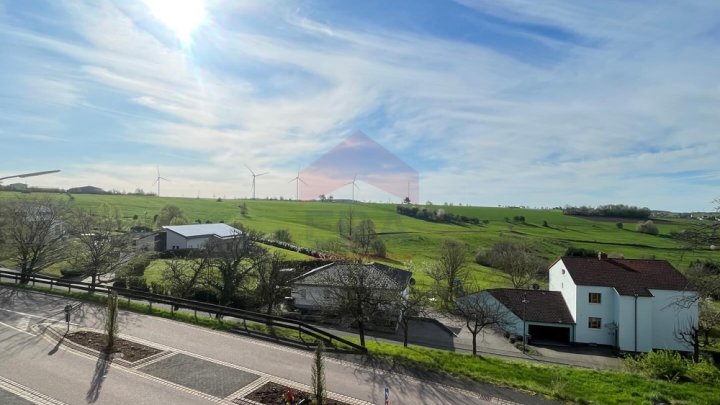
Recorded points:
(413,240)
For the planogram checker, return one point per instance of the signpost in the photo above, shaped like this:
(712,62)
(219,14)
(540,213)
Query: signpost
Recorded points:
(387,395)
(68,310)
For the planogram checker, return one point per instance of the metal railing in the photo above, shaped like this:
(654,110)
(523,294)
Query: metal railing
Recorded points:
(175,303)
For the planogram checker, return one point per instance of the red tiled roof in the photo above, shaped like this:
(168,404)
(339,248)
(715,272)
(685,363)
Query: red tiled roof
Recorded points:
(542,305)
(627,276)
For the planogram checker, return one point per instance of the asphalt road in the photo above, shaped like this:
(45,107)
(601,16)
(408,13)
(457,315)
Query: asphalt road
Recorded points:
(34,362)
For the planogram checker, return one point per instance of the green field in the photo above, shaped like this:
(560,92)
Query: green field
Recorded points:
(411,240)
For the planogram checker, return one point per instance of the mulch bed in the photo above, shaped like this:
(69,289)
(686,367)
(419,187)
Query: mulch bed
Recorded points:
(272,393)
(129,351)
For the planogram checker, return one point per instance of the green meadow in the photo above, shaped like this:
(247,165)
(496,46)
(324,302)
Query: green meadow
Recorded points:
(412,241)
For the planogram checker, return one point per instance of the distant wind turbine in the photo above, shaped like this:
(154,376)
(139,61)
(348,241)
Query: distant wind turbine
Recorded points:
(297,181)
(157,181)
(353,187)
(254,176)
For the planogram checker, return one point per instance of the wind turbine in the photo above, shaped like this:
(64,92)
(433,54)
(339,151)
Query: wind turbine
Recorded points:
(29,174)
(297,181)
(157,180)
(254,176)
(353,187)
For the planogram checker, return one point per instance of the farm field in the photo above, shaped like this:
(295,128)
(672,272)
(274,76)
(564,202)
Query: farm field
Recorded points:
(412,241)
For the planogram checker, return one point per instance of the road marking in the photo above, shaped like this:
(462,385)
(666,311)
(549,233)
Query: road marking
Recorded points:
(17,329)
(27,393)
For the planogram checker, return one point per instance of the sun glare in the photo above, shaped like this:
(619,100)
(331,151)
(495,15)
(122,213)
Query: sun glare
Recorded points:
(183,17)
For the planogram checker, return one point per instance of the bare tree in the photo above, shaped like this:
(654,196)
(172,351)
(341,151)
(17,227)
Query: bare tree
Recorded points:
(517,260)
(361,293)
(413,305)
(450,273)
(111,321)
(480,311)
(271,279)
(96,249)
(233,261)
(689,333)
(33,232)
(345,224)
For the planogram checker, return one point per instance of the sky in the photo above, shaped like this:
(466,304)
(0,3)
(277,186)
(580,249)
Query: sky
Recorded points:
(520,102)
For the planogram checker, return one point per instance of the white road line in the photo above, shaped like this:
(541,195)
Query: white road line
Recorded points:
(17,329)
(27,393)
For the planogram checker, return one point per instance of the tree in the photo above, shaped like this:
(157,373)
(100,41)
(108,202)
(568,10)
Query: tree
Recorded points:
(282,235)
(363,235)
(480,311)
(95,248)
(318,376)
(111,321)
(271,278)
(33,232)
(517,260)
(170,215)
(414,305)
(233,260)
(406,200)
(183,276)
(345,224)
(648,227)
(449,273)
(361,293)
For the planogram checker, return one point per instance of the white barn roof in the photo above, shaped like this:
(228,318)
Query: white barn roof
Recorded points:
(198,230)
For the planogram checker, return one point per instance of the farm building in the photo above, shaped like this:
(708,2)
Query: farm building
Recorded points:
(196,236)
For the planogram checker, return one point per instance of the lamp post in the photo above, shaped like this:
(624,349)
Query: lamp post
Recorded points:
(524,302)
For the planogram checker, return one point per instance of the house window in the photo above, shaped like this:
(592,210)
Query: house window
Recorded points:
(595,298)
(594,323)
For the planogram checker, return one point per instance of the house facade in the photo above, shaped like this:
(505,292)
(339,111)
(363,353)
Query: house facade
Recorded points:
(313,291)
(631,304)
(196,236)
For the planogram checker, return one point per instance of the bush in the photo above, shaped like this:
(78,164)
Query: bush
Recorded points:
(703,372)
(648,227)
(378,248)
(68,271)
(619,225)
(661,364)
(573,251)
(136,266)
(545,224)
(282,235)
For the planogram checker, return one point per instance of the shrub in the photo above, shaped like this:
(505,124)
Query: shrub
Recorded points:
(573,251)
(703,372)
(648,227)
(68,271)
(661,364)
(282,235)
(619,225)
(378,247)
(545,224)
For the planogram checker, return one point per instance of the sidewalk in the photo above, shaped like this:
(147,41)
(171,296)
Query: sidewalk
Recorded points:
(279,363)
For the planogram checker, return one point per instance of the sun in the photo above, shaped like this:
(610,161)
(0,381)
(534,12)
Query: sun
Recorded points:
(183,17)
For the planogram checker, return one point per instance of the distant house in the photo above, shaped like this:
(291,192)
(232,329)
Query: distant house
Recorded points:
(86,190)
(196,236)
(17,187)
(630,304)
(311,291)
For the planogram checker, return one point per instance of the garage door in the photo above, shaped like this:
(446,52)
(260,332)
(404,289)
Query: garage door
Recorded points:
(549,334)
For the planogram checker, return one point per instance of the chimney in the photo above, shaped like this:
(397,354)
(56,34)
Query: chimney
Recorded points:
(602,256)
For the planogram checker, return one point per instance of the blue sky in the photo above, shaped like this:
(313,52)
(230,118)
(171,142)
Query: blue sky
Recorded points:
(519,102)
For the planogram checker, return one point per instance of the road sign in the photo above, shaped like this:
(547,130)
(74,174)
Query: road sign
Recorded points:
(387,396)
(68,310)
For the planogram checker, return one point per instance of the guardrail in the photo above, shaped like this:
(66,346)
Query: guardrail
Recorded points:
(176,303)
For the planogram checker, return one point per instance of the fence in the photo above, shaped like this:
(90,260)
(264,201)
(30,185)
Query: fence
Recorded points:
(175,303)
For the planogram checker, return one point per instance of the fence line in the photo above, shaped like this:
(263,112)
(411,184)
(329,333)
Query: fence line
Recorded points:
(176,303)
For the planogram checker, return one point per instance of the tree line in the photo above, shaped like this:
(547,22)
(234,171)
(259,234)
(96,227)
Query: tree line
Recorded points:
(610,211)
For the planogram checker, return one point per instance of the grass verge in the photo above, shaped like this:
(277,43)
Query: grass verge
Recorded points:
(567,383)
(272,331)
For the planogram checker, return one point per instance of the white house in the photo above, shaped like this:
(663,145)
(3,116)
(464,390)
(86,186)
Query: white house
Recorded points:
(312,290)
(630,304)
(196,236)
